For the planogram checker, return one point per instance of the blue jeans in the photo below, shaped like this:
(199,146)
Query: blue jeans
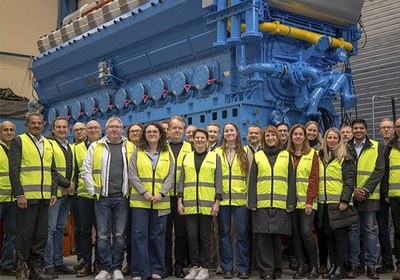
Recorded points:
(241,219)
(112,218)
(8,212)
(148,243)
(368,225)
(58,215)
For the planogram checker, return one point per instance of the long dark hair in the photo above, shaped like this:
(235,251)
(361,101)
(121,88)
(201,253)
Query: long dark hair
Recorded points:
(162,142)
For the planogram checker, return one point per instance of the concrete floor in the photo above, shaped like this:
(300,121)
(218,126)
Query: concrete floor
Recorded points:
(287,274)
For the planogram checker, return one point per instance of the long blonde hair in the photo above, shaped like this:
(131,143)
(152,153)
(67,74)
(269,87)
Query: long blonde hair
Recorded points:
(340,150)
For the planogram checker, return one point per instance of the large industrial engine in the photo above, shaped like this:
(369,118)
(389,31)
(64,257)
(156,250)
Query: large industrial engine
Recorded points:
(245,61)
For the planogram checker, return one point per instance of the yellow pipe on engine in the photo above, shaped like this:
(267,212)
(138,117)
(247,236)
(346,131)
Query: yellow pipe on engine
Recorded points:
(312,37)
(276,27)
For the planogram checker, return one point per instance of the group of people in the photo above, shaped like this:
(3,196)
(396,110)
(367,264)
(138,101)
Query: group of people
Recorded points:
(207,202)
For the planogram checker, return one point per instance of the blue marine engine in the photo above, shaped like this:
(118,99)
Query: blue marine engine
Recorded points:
(244,61)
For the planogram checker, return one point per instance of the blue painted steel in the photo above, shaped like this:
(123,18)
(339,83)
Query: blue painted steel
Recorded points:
(176,57)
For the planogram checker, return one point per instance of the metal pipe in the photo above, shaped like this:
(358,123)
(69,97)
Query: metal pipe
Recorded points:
(252,25)
(16,55)
(235,25)
(270,68)
(276,27)
(316,96)
(221,26)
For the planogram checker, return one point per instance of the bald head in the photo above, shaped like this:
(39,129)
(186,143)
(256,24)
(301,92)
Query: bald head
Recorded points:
(93,130)
(7,132)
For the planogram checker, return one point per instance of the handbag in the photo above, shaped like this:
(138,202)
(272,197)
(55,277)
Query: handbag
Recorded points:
(341,219)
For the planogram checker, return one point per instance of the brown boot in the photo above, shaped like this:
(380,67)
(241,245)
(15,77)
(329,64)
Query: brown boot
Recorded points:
(127,269)
(22,271)
(396,276)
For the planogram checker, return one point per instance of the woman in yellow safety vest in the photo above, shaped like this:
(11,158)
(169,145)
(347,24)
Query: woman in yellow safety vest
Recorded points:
(198,199)
(234,199)
(337,178)
(151,174)
(305,161)
(271,196)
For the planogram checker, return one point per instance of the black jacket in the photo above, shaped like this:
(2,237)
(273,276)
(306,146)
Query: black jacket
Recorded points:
(394,143)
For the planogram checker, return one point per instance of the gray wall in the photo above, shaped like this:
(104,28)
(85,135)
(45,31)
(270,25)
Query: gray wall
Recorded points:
(377,68)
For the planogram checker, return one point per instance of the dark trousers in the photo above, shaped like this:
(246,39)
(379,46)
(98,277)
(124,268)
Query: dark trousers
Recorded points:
(77,226)
(31,235)
(199,239)
(337,241)
(303,240)
(395,206)
(88,221)
(322,242)
(268,251)
(382,217)
(176,224)
(128,241)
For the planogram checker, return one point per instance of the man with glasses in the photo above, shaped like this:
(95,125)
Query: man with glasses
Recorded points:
(391,189)
(86,203)
(386,129)
(105,173)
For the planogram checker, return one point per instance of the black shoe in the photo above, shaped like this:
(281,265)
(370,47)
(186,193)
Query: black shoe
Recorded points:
(65,270)
(52,272)
(267,277)
(354,272)
(277,274)
(293,264)
(8,272)
(386,267)
(179,272)
(22,271)
(313,273)
(243,275)
(328,274)
(338,273)
(228,274)
(168,272)
(38,273)
(300,273)
(79,265)
(371,273)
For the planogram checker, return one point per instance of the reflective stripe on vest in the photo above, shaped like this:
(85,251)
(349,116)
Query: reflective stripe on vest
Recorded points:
(80,154)
(272,184)
(303,172)
(61,162)
(5,185)
(330,181)
(152,180)
(366,166)
(199,188)
(394,173)
(185,149)
(35,173)
(234,181)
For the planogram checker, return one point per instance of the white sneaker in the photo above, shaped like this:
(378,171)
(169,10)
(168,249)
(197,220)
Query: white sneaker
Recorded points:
(117,275)
(103,275)
(156,276)
(192,273)
(202,274)
(136,278)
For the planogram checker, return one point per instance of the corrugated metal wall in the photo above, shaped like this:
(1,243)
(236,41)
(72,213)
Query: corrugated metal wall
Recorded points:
(377,68)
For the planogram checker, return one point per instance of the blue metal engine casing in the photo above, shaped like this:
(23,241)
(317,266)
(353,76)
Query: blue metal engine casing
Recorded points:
(210,61)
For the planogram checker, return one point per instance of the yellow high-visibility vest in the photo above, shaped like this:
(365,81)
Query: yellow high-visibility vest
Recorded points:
(272,183)
(152,180)
(366,166)
(35,176)
(394,172)
(234,181)
(5,185)
(199,188)
(303,172)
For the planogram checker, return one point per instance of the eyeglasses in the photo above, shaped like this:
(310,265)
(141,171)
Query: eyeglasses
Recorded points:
(79,129)
(135,131)
(92,128)
(152,132)
(387,127)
